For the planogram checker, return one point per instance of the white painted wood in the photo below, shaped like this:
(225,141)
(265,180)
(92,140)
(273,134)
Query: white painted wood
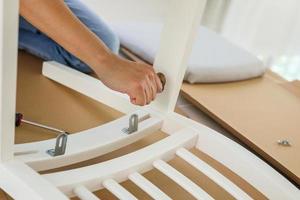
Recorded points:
(120,168)
(88,86)
(176,43)
(181,180)
(89,143)
(148,187)
(177,38)
(84,194)
(21,182)
(118,190)
(8,75)
(213,174)
(245,164)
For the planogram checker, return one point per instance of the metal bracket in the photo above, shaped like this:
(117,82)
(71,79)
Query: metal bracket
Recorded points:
(133,124)
(60,145)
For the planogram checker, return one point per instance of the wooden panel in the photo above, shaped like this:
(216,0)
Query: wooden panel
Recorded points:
(259,112)
(3,196)
(293,87)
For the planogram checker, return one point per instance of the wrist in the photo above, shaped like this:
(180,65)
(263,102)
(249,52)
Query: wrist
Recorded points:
(103,63)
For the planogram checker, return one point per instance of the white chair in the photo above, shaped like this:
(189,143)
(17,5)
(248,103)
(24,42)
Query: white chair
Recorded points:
(20,164)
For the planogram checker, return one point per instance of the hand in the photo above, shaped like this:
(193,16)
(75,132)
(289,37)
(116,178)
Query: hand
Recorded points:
(138,80)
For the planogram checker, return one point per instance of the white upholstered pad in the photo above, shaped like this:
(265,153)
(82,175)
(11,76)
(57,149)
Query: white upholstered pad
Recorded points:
(213,59)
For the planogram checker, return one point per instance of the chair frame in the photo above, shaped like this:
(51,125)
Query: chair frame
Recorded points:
(19,164)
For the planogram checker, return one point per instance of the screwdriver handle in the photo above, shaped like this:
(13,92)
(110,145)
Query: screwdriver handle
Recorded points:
(18,120)
(163,80)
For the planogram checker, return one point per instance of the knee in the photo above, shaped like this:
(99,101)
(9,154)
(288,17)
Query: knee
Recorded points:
(105,34)
(110,39)
(113,42)
(95,24)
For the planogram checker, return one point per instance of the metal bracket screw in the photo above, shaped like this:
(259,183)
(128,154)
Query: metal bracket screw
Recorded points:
(60,145)
(133,124)
(284,142)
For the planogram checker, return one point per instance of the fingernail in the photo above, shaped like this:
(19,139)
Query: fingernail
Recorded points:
(133,100)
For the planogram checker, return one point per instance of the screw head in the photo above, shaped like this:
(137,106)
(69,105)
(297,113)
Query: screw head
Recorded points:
(284,142)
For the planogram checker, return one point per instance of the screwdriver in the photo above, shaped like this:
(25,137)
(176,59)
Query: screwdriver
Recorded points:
(19,120)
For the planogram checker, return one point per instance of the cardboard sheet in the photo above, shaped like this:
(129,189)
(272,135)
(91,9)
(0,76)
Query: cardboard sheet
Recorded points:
(45,101)
(293,87)
(259,112)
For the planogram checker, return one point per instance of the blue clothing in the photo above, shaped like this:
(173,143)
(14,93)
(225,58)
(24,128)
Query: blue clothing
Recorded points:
(37,43)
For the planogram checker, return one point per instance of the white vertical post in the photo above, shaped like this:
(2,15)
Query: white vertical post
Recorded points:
(9,17)
(177,38)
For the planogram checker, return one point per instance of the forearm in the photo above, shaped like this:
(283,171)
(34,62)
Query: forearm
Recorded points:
(56,20)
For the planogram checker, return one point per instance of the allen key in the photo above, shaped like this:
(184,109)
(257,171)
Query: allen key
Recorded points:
(61,139)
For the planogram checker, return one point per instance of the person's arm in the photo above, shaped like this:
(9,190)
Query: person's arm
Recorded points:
(56,20)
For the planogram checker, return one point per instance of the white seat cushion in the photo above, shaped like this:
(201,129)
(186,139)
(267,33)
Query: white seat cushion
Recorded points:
(213,59)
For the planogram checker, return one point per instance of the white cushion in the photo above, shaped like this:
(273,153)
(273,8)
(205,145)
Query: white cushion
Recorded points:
(213,59)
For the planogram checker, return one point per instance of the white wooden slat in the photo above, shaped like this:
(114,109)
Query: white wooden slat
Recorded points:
(148,187)
(181,180)
(120,168)
(22,182)
(84,194)
(89,143)
(88,86)
(118,190)
(8,75)
(245,164)
(213,174)
(177,38)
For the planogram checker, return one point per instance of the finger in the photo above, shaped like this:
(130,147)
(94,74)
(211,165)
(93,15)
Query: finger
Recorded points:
(140,100)
(157,82)
(138,97)
(148,91)
(145,98)
(153,86)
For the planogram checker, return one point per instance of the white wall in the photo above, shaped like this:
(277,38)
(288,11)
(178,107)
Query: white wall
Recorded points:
(264,26)
(269,29)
